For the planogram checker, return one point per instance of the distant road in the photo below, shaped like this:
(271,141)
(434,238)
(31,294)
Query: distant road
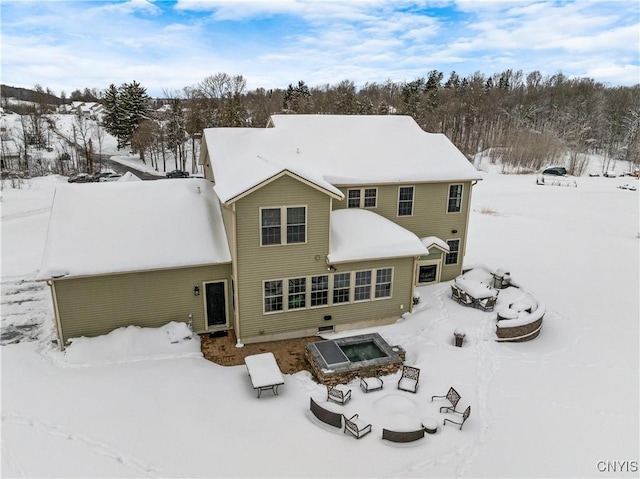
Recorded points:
(122,169)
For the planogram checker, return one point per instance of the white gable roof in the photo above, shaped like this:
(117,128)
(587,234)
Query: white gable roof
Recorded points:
(333,150)
(101,228)
(358,235)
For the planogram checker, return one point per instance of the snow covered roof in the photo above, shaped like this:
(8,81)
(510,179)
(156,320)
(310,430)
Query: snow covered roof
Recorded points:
(331,150)
(430,241)
(358,234)
(100,228)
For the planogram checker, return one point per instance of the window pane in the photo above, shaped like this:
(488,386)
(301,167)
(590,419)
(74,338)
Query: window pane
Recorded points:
(405,201)
(271,226)
(383,283)
(272,296)
(341,283)
(370,195)
(452,256)
(362,289)
(455,199)
(297,290)
(353,199)
(296,221)
(319,290)
(427,274)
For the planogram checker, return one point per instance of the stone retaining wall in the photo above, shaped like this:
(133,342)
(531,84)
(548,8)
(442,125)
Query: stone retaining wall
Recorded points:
(333,379)
(519,334)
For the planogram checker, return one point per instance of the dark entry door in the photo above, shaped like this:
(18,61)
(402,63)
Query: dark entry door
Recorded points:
(216,314)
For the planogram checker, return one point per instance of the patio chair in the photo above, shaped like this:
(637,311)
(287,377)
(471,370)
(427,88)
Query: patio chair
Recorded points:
(487,304)
(409,379)
(465,416)
(453,397)
(371,384)
(356,427)
(338,395)
(455,294)
(465,299)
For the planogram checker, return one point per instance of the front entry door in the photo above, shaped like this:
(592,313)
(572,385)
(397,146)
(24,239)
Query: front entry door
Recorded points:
(216,309)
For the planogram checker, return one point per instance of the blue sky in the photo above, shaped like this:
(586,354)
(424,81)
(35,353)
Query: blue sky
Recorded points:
(168,45)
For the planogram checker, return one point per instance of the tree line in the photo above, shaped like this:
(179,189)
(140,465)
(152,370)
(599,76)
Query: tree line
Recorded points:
(525,121)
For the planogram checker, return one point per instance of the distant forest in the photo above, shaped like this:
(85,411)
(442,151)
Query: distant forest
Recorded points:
(524,121)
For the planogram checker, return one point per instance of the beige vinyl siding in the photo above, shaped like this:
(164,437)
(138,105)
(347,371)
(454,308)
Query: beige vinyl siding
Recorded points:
(96,305)
(430,217)
(257,263)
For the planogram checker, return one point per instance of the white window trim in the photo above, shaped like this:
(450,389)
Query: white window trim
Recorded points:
(413,201)
(362,197)
(449,198)
(459,249)
(438,265)
(283,225)
(285,288)
(330,303)
(329,297)
(332,288)
(375,282)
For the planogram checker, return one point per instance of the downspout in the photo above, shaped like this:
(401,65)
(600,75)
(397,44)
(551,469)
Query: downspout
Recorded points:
(234,273)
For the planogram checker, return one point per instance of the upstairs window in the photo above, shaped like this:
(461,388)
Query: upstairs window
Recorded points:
(405,201)
(296,224)
(271,226)
(353,200)
(283,225)
(454,203)
(362,198)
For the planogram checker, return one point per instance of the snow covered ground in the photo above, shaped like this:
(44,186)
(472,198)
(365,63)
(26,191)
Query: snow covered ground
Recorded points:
(144,403)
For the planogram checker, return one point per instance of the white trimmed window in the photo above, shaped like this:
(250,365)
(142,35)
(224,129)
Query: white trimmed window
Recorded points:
(383,283)
(454,249)
(362,290)
(341,288)
(405,201)
(319,290)
(454,203)
(273,296)
(362,198)
(330,289)
(283,225)
(297,293)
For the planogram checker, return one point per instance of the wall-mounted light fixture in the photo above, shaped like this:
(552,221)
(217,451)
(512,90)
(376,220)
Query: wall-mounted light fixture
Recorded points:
(196,290)
(331,268)
(454,231)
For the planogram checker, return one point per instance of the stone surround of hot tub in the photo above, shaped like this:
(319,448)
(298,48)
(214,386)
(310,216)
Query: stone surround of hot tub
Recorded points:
(345,372)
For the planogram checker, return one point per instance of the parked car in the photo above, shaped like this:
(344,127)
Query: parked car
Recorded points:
(555,171)
(82,178)
(178,174)
(102,174)
(111,177)
(556,176)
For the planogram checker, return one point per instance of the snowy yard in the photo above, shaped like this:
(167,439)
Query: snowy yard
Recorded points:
(146,404)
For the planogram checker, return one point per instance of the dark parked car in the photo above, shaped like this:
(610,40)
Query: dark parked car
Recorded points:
(82,178)
(555,171)
(178,174)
